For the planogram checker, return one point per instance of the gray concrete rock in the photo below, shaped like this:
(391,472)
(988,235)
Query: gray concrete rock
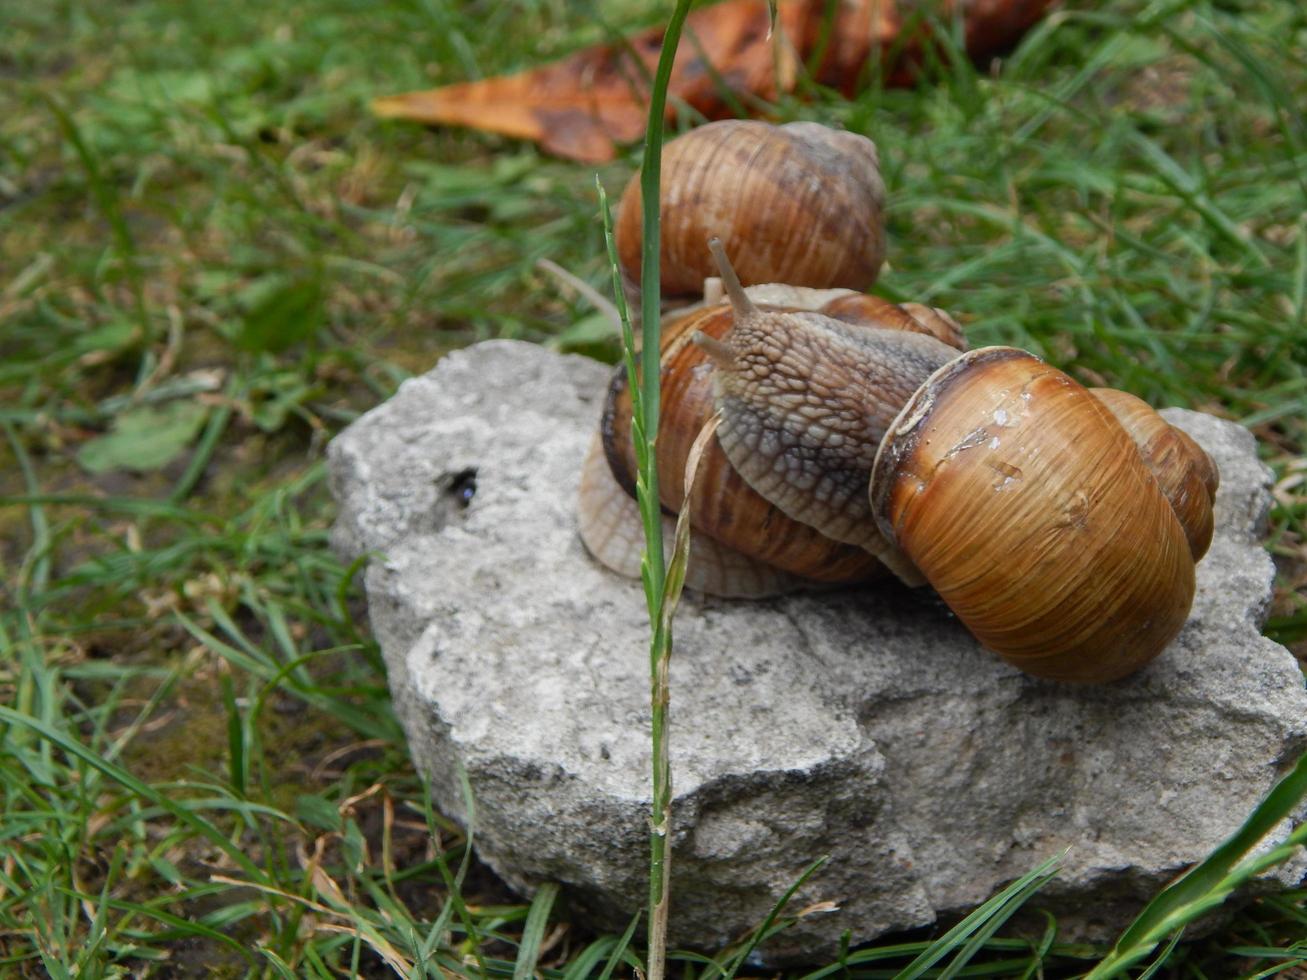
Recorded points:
(867,726)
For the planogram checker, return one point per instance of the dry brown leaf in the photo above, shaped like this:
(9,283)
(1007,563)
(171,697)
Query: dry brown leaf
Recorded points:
(582,106)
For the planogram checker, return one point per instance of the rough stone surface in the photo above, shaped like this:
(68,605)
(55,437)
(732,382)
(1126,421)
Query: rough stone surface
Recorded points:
(867,726)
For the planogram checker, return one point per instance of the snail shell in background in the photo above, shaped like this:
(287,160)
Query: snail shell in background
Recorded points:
(744,538)
(800,204)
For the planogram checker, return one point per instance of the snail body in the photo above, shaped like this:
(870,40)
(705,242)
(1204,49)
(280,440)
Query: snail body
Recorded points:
(727,506)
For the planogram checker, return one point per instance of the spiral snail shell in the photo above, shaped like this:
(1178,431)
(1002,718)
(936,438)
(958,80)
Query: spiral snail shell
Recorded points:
(799,204)
(1038,518)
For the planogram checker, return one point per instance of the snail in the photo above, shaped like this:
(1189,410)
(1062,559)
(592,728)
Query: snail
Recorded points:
(727,509)
(800,204)
(1063,539)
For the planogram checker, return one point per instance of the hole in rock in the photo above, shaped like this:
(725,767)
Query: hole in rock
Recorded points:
(460,486)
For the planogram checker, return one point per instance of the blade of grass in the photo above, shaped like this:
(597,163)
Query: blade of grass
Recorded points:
(765,927)
(106,198)
(596,952)
(38,578)
(986,932)
(181,813)
(1041,951)
(454,903)
(681,549)
(528,951)
(619,951)
(1160,960)
(1003,904)
(1211,882)
(645,433)
(204,450)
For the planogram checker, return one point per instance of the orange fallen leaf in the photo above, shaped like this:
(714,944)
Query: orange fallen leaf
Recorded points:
(581,106)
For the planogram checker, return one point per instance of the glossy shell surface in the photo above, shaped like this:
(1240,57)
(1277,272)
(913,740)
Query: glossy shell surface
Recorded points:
(800,204)
(1027,506)
(1185,473)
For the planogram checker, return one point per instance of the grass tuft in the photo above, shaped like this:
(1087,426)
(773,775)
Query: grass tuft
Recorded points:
(201,226)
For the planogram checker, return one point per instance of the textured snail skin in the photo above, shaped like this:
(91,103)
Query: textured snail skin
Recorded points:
(805,401)
(800,204)
(724,505)
(1029,509)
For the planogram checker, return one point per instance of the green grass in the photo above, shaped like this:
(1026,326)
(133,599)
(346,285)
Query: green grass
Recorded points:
(202,233)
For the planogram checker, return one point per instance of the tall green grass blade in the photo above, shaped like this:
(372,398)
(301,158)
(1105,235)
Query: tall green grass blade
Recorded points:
(236,758)
(644,428)
(651,276)
(630,348)
(279,966)
(619,952)
(533,933)
(214,427)
(1041,951)
(595,953)
(1161,958)
(764,929)
(676,571)
(454,904)
(180,926)
(650,517)
(118,505)
(985,933)
(37,577)
(140,789)
(1211,882)
(1188,188)
(1001,905)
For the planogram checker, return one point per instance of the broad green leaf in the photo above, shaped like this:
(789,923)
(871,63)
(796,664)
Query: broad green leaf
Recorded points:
(114,336)
(144,438)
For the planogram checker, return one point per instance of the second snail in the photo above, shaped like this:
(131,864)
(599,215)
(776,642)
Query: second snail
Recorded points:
(1061,524)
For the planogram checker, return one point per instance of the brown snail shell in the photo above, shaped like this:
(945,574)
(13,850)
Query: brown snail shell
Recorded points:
(613,533)
(877,312)
(1029,509)
(1184,472)
(725,507)
(800,204)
